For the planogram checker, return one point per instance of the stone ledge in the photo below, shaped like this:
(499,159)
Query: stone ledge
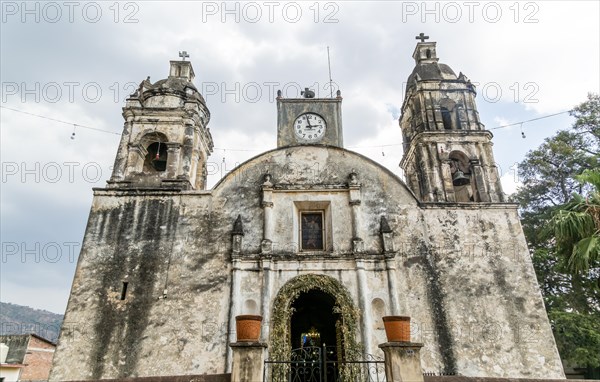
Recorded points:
(457,378)
(227,378)
(401,344)
(175,378)
(242,344)
(147,191)
(469,205)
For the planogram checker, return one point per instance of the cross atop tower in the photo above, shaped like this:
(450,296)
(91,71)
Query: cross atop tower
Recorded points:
(185,54)
(421,37)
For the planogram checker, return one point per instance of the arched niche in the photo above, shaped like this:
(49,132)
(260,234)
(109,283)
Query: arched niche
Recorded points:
(250,307)
(448,110)
(155,160)
(462,179)
(378,311)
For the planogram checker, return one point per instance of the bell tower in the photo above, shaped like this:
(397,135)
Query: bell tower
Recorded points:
(447,151)
(165,141)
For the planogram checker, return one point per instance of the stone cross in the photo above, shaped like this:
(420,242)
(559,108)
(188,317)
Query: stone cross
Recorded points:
(185,54)
(422,37)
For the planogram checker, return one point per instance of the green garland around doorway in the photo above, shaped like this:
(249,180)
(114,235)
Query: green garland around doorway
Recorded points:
(280,347)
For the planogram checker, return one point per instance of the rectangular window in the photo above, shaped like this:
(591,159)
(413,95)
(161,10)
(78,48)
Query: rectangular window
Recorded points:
(312,231)
(124,290)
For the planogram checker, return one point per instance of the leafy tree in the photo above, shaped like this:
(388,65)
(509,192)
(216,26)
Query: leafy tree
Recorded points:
(559,206)
(587,122)
(577,337)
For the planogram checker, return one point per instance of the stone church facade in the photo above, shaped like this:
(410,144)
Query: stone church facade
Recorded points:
(312,236)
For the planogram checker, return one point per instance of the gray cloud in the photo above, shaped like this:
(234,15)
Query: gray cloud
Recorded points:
(371,45)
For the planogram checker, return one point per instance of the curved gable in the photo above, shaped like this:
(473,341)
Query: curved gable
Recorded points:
(314,167)
(312,180)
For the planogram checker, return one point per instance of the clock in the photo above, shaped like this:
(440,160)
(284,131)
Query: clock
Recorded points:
(310,127)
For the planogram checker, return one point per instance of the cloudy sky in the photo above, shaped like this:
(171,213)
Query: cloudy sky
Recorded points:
(75,63)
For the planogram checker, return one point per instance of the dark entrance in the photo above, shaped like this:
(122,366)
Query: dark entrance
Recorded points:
(313,321)
(315,328)
(318,352)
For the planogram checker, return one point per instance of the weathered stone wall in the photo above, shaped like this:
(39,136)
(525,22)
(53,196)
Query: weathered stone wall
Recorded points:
(176,378)
(427,378)
(461,271)
(488,315)
(172,318)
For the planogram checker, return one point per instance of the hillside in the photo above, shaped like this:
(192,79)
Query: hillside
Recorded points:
(18,319)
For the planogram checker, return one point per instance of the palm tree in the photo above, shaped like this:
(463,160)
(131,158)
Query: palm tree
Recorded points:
(576,225)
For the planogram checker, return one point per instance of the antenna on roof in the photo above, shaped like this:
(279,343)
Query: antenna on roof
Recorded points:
(330,80)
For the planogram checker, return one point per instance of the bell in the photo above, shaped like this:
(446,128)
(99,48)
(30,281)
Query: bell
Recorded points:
(459,178)
(159,164)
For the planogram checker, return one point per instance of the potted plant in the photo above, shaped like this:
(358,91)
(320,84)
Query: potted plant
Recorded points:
(247,327)
(397,328)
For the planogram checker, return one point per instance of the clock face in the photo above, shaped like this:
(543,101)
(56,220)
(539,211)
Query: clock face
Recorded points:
(309,127)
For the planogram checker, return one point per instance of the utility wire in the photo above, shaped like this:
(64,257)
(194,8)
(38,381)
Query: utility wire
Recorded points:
(58,120)
(493,128)
(224,149)
(530,120)
(250,150)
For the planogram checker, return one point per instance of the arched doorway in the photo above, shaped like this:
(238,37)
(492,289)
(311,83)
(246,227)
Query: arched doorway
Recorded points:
(313,300)
(315,336)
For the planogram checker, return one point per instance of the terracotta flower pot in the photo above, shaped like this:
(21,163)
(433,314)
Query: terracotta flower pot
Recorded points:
(248,328)
(397,328)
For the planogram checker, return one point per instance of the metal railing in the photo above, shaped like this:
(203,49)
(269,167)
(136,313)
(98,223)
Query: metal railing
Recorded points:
(318,364)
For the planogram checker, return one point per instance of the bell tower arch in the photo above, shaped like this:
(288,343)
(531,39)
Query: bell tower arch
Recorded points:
(447,150)
(165,141)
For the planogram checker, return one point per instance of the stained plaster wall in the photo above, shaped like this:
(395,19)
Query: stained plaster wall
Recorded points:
(478,313)
(171,321)
(472,268)
(463,273)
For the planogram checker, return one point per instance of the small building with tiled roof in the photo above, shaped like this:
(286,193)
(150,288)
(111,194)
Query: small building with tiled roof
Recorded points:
(25,357)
